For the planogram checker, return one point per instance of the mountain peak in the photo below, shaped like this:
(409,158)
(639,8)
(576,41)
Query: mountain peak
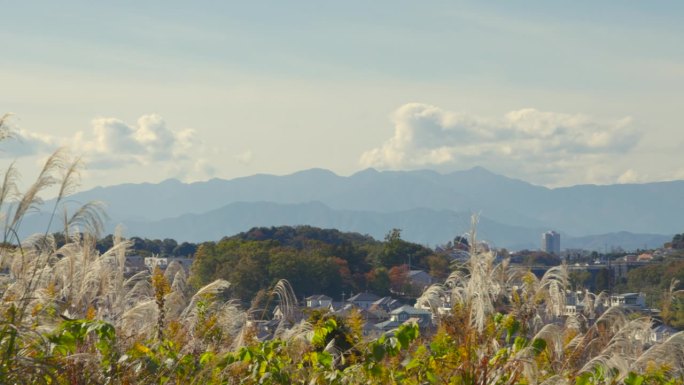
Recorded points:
(316,172)
(480,170)
(170,182)
(368,171)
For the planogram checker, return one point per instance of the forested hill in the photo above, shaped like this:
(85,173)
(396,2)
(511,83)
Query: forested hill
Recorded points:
(313,260)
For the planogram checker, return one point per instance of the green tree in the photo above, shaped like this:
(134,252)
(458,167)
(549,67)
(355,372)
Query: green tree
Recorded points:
(378,281)
(579,279)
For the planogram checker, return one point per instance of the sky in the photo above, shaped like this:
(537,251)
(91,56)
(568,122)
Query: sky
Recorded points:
(554,93)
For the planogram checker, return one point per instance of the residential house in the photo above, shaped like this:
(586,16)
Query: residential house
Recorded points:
(419,279)
(164,262)
(319,301)
(386,304)
(363,300)
(661,333)
(573,303)
(404,314)
(635,301)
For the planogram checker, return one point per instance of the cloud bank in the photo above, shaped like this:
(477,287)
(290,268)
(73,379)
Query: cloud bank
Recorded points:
(550,146)
(113,144)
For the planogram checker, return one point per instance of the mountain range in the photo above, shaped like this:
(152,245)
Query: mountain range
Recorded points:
(429,207)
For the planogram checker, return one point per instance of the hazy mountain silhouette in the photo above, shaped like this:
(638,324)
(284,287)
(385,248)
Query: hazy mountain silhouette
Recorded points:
(369,200)
(422,225)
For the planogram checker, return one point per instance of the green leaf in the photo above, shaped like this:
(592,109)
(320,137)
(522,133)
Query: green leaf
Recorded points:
(634,379)
(583,379)
(206,357)
(378,352)
(245,355)
(538,345)
(325,359)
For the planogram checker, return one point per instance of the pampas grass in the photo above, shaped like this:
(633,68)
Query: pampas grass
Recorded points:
(499,317)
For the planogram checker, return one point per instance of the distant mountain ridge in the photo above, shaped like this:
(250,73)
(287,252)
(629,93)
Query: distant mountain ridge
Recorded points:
(426,226)
(371,199)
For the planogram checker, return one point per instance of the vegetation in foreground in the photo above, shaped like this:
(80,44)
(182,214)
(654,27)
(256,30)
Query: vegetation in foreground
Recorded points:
(70,316)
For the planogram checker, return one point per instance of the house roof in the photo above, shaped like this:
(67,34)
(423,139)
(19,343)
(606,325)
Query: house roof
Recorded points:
(664,329)
(386,301)
(388,325)
(626,295)
(364,297)
(411,273)
(318,297)
(410,310)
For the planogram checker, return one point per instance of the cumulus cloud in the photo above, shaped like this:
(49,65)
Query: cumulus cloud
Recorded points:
(24,143)
(113,142)
(544,144)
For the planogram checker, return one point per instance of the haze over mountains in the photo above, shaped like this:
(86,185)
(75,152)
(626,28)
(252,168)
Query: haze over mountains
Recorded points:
(429,207)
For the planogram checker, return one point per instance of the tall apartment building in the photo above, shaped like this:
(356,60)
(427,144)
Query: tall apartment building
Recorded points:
(551,242)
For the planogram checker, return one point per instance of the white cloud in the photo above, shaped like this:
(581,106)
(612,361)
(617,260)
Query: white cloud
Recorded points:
(245,157)
(24,143)
(629,176)
(114,144)
(549,147)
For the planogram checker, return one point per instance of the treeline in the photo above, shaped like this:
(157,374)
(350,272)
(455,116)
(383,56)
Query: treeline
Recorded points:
(663,284)
(313,260)
(678,241)
(152,247)
(141,246)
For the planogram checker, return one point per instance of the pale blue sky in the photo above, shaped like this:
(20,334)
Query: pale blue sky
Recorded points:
(229,89)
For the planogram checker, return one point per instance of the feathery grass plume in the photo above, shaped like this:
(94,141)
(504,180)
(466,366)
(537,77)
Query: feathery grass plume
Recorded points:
(432,298)
(212,289)
(179,282)
(552,289)
(537,301)
(135,321)
(8,192)
(90,218)
(117,289)
(287,301)
(480,283)
(611,345)
(4,128)
(593,303)
(553,335)
(69,181)
(172,268)
(669,355)
(302,331)
(230,317)
(47,178)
